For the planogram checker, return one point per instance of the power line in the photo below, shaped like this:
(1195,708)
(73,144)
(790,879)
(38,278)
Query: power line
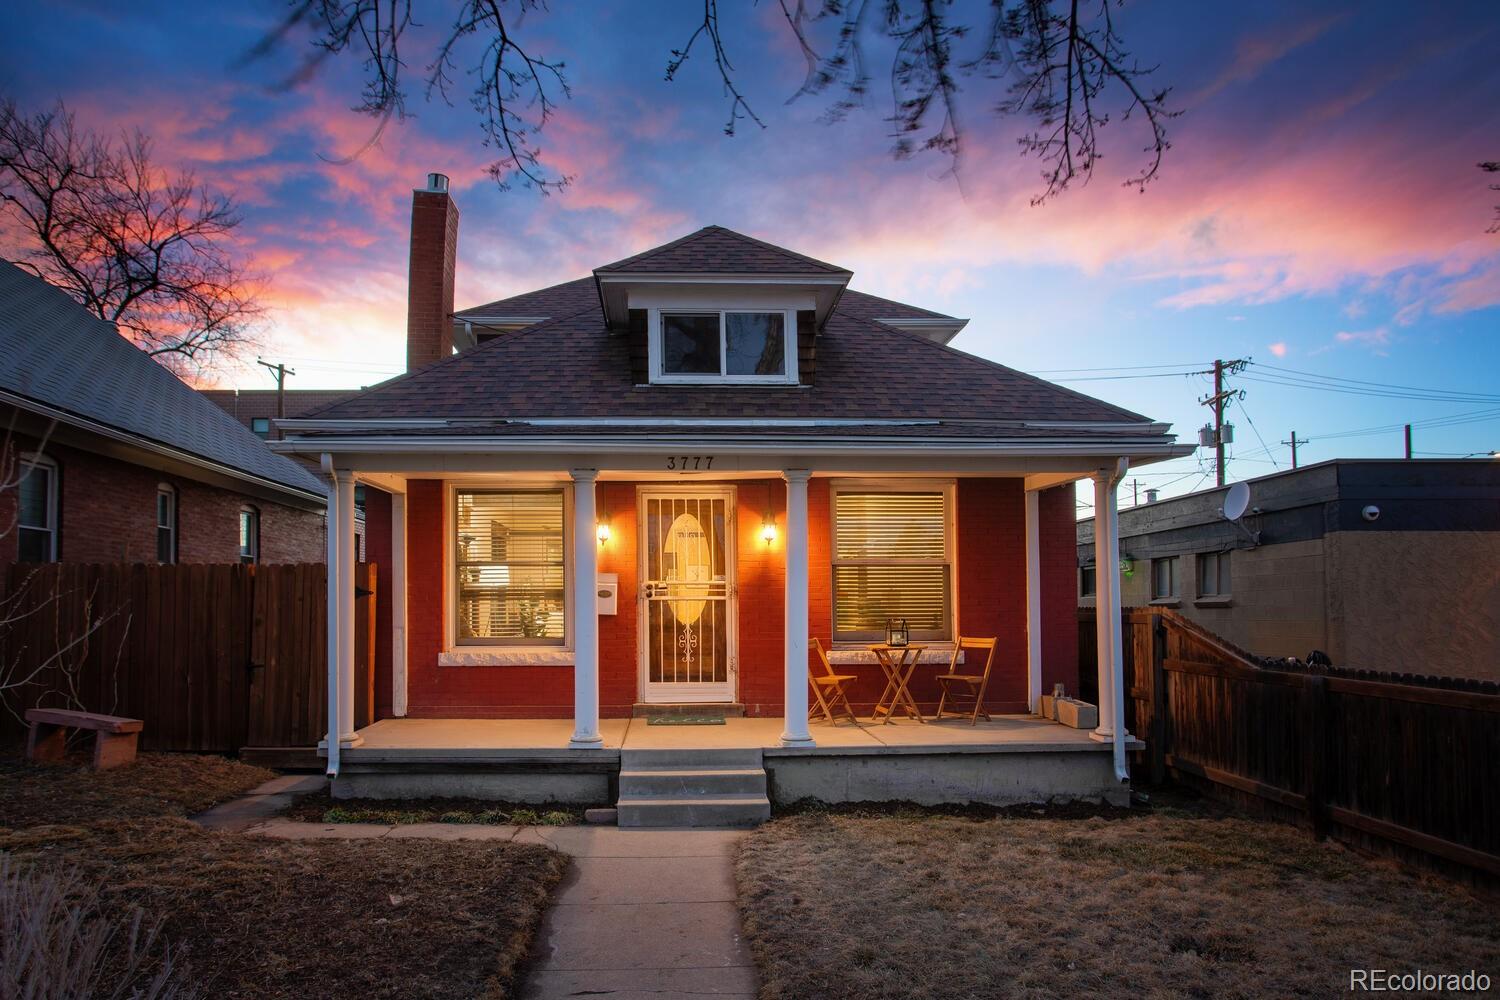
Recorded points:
(1355,381)
(1241,402)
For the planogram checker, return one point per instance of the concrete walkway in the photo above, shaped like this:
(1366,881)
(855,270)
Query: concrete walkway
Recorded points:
(642,913)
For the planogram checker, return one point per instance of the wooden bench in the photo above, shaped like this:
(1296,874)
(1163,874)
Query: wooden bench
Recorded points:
(114,737)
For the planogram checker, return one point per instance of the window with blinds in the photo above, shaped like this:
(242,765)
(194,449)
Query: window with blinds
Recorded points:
(891,559)
(509,563)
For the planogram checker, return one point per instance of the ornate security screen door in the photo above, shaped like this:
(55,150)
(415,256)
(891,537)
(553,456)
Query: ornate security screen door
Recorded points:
(687,632)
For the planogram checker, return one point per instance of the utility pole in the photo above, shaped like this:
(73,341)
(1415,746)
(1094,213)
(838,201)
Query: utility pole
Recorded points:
(1135,492)
(279,372)
(1408,440)
(1220,397)
(1294,442)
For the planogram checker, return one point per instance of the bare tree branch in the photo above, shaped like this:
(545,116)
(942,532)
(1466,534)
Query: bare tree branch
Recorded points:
(709,28)
(1493,167)
(1063,64)
(134,245)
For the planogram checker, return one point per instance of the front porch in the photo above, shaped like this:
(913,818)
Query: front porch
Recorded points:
(1006,760)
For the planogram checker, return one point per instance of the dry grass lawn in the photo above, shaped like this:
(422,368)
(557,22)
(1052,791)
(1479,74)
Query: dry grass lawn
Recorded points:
(1177,903)
(255,917)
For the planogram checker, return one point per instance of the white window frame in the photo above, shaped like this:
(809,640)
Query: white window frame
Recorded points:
(949,489)
(30,460)
(502,652)
(239,519)
(1083,569)
(170,492)
(657,352)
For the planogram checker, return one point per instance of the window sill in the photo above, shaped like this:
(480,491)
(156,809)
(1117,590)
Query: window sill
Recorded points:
(1167,602)
(1213,602)
(518,657)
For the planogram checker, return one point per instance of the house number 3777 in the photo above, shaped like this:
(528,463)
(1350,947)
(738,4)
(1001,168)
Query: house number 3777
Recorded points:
(689,463)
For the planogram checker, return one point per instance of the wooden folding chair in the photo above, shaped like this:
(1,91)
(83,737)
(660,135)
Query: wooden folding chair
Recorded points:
(828,689)
(974,683)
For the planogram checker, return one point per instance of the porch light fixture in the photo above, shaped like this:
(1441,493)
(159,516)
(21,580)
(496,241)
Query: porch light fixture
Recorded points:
(603,532)
(768,531)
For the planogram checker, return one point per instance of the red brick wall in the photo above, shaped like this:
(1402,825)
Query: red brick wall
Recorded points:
(1058,543)
(108,514)
(434,255)
(991,590)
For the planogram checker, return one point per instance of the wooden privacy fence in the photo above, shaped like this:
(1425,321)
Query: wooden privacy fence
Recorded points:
(1395,762)
(211,657)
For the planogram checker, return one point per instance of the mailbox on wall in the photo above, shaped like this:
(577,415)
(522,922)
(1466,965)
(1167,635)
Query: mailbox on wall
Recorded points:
(609,593)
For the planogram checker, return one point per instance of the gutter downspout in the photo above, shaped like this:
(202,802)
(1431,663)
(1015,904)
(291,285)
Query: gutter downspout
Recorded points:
(333,609)
(1116,651)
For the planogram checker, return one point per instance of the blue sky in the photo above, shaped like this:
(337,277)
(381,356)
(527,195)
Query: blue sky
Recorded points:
(1320,210)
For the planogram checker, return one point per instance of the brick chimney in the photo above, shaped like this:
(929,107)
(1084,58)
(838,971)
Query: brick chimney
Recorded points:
(429,289)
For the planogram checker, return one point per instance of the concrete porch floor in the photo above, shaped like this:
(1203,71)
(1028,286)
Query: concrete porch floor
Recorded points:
(540,740)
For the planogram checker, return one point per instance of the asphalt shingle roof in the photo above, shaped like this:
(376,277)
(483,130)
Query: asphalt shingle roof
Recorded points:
(714,250)
(572,366)
(55,352)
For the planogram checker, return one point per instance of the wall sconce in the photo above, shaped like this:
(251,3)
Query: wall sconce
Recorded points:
(768,532)
(603,532)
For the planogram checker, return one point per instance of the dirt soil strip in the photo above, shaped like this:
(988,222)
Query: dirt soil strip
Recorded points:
(1167,905)
(259,917)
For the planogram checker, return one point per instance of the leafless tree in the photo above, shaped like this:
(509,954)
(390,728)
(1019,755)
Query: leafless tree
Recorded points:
(1061,65)
(1493,167)
(144,249)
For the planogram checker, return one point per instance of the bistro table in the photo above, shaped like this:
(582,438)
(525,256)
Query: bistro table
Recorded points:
(899,663)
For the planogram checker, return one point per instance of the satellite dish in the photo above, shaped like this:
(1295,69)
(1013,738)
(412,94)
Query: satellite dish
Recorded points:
(1236,502)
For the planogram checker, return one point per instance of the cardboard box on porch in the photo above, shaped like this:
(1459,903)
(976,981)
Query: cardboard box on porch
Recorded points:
(1047,708)
(1075,713)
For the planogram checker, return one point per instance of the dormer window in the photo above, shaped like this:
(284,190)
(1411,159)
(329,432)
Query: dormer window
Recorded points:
(723,345)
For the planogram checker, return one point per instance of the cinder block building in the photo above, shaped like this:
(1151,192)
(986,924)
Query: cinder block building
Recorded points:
(1385,564)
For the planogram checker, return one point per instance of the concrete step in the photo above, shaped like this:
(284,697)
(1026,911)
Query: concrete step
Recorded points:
(695,811)
(689,760)
(732,710)
(708,781)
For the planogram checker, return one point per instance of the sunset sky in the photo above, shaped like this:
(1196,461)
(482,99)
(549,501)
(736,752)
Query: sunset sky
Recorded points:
(1320,210)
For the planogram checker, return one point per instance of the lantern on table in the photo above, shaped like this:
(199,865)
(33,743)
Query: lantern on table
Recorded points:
(896,635)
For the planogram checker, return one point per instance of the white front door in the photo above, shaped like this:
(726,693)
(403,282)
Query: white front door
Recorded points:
(687,609)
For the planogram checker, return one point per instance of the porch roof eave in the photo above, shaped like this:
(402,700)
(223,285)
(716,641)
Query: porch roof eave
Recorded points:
(738,453)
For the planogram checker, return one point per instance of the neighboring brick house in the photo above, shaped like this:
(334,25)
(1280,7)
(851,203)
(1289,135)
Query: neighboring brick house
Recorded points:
(657,483)
(1382,564)
(106,456)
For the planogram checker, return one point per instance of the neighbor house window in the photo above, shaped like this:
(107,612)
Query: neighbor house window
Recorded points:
(728,345)
(1164,579)
(892,559)
(261,426)
(510,579)
(166,524)
(1213,574)
(249,534)
(36,520)
(1086,580)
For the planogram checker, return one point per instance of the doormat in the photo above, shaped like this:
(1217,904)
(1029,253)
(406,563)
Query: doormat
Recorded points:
(685,720)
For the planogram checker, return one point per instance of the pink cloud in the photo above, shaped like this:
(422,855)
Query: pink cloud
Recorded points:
(1279,349)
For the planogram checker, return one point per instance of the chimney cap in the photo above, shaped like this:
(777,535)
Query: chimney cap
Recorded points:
(437,183)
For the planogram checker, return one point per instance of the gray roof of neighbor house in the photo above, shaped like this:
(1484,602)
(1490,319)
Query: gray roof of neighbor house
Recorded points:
(55,353)
(572,365)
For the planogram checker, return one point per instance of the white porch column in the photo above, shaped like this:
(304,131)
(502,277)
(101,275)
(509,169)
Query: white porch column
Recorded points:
(346,555)
(585,613)
(397,585)
(1033,601)
(1107,601)
(795,733)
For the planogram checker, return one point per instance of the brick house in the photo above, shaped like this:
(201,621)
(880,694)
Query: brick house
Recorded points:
(653,486)
(108,457)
